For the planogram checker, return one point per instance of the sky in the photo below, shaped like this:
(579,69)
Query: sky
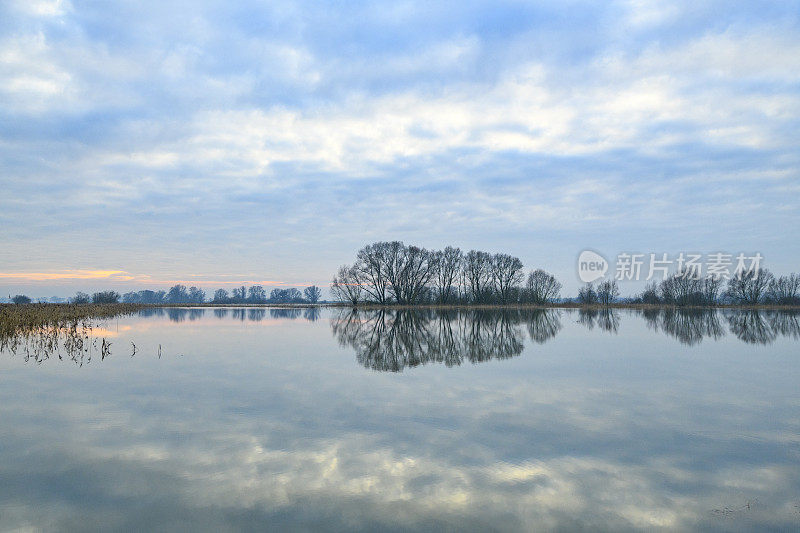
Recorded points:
(211,143)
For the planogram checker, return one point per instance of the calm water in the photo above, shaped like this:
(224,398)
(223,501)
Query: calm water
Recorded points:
(237,419)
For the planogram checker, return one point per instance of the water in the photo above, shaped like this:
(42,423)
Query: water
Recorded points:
(237,419)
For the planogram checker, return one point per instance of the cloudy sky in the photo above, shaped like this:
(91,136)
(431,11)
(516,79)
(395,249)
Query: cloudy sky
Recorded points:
(144,143)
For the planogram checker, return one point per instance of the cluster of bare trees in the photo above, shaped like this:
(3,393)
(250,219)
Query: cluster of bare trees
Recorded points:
(606,293)
(747,287)
(180,294)
(762,287)
(681,289)
(392,272)
(256,294)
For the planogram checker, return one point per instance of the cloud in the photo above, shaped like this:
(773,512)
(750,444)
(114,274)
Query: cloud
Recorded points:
(253,133)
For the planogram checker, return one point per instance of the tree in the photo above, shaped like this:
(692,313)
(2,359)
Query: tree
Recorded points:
(749,286)
(345,285)
(81,298)
(477,274)
(20,299)
(542,287)
(607,291)
(710,288)
(105,297)
(143,297)
(178,294)
(220,296)
(448,262)
(196,296)
(409,270)
(312,293)
(240,294)
(279,296)
(784,290)
(650,294)
(587,294)
(372,268)
(257,294)
(294,295)
(418,271)
(506,274)
(683,288)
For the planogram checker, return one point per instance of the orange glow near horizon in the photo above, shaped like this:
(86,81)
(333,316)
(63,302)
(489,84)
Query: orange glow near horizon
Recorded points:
(117,276)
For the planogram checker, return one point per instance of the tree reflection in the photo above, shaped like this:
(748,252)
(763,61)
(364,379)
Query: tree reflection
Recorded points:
(606,318)
(785,323)
(689,326)
(752,327)
(285,312)
(311,314)
(180,314)
(543,324)
(392,340)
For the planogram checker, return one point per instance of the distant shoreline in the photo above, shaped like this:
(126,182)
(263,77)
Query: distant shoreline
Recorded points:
(367,305)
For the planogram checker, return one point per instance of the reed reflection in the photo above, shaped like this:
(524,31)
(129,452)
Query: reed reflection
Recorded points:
(72,342)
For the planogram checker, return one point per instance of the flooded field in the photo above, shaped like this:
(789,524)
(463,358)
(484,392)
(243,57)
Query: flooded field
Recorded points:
(254,418)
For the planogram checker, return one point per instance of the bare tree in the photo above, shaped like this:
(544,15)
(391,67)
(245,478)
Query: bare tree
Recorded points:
(686,287)
(20,299)
(477,274)
(409,271)
(239,294)
(784,290)
(587,294)
(449,263)
(312,293)
(371,266)
(285,296)
(749,286)
(81,298)
(257,294)
(711,288)
(196,295)
(105,297)
(345,285)
(542,287)
(607,291)
(294,295)
(506,274)
(220,296)
(420,268)
(650,294)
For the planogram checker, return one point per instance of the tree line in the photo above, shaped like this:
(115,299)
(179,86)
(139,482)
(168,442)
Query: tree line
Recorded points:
(746,287)
(180,294)
(392,272)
